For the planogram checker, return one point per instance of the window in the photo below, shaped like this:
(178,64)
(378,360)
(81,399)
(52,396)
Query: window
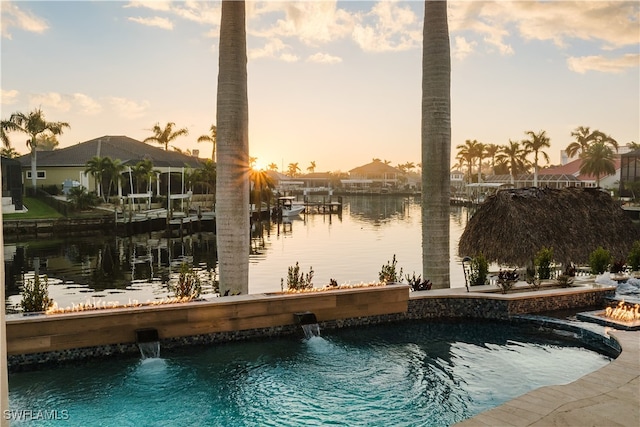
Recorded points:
(39,174)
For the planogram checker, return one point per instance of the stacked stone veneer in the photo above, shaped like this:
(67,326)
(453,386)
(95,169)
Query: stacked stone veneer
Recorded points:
(46,340)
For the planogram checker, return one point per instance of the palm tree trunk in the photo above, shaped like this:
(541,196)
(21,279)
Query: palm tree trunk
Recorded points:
(232,183)
(436,143)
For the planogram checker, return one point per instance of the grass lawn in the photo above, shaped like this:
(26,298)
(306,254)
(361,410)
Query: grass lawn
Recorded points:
(37,210)
(40,210)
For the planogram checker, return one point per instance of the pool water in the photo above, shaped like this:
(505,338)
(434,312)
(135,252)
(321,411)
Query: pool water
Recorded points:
(402,374)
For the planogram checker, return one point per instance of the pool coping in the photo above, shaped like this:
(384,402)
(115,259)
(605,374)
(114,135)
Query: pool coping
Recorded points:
(609,396)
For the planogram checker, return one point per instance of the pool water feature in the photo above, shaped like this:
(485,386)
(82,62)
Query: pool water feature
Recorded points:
(405,374)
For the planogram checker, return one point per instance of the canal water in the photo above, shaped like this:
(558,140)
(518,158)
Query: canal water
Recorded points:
(350,248)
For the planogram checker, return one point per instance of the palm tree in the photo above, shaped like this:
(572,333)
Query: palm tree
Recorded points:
(143,172)
(436,143)
(479,152)
(33,124)
(599,159)
(232,183)
(97,166)
(467,153)
(535,145)
(272,167)
(491,150)
(164,136)
(113,171)
(213,138)
(312,167)
(9,152)
(514,157)
(6,126)
(261,181)
(293,169)
(633,145)
(583,137)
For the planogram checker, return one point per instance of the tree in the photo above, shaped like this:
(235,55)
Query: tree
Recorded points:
(535,145)
(9,152)
(583,137)
(467,153)
(272,167)
(514,158)
(232,183)
(97,167)
(143,172)
(312,167)
(47,142)
(479,153)
(213,138)
(293,170)
(436,143)
(598,160)
(633,145)
(164,136)
(491,151)
(33,124)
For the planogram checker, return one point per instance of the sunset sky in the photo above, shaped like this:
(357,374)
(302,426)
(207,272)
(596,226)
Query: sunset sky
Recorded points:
(338,83)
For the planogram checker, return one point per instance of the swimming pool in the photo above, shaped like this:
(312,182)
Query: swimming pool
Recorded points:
(401,374)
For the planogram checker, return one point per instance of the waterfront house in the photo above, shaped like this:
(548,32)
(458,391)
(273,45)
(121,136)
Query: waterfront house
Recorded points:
(375,175)
(68,164)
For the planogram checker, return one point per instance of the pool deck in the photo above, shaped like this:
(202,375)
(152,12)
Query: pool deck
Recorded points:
(608,397)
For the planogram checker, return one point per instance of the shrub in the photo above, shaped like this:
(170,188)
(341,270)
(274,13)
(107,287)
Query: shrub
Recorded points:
(189,285)
(81,199)
(479,270)
(543,261)
(532,278)
(506,279)
(633,260)
(617,266)
(417,284)
(297,280)
(564,281)
(389,273)
(35,295)
(599,260)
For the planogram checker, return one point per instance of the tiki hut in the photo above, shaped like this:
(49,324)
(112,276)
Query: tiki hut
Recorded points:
(510,227)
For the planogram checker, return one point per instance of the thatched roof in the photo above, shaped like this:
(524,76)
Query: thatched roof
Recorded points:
(511,226)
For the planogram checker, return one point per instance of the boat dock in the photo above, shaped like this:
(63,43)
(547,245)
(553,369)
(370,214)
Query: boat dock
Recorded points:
(324,206)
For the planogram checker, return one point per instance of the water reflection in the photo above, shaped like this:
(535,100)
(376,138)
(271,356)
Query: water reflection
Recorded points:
(348,248)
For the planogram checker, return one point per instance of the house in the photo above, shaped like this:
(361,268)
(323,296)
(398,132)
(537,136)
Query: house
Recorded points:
(567,175)
(376,174)
(68,164)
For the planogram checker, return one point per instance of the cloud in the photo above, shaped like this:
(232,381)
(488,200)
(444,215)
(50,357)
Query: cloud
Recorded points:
(388,27)
(13,16)
(274,48)
(614,23)
(462,48)
(600,63)
(324,58)
(87,104)
(52,100)
(196,11)
(128,109)
(155,21)
(311,22)
(8,97)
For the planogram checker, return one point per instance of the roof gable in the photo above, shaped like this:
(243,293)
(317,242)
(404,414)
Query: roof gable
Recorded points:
(123,148)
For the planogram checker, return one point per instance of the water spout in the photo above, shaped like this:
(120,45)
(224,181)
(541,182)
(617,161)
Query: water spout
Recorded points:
(148,342)
(309,324)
